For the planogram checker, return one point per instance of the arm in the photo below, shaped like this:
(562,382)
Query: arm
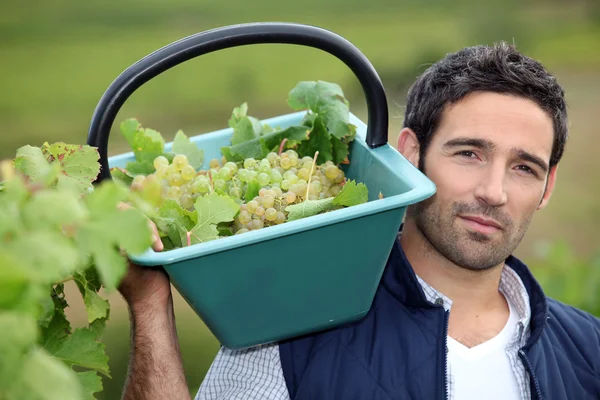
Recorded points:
(155,366)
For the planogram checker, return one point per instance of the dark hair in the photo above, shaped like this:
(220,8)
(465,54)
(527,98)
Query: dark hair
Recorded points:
(499,68)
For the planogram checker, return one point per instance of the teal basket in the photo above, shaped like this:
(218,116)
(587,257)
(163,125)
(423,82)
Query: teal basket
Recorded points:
(299,277)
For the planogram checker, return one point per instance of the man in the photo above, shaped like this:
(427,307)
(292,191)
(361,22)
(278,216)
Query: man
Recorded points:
(456,316)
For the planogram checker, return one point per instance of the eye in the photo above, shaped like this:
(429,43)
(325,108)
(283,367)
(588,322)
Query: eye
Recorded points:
(526,169)
(467,154)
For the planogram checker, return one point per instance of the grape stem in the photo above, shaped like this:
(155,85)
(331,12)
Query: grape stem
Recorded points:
(281,145)
(312,168)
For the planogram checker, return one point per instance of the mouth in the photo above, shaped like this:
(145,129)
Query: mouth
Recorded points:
(482,225)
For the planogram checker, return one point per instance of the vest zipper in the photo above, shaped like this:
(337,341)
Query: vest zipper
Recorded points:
(525,360)
(447,317)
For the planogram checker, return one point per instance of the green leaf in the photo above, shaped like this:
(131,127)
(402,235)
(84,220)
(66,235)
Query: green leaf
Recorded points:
(146,144)
(237,114)
(82,349)
(183,145)
(352,194)
(18,333)
(47,255)
(31,161)
(109,229)
(145,167)
(326,99)
(43,377)
(91,383)
(243,131)
(252,190)
(122,175)
(80,164)
(212,209)
(319,140)
(259,147)
(175,221)
(308,208)
(51,207)
(59,327)
(89,284)
(339,151)
(13,279)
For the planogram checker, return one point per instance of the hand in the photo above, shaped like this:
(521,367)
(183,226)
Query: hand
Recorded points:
(146,286)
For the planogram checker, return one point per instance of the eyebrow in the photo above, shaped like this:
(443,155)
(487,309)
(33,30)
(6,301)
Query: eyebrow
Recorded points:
(490,146)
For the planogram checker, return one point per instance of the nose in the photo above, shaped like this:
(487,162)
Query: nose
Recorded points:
(491,187)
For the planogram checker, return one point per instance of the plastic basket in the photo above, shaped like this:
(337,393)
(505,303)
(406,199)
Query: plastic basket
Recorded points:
(302,276)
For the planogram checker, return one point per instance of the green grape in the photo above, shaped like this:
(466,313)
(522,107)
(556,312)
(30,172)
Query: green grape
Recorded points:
(242,174)
(252,205)
(280,219)
(313,197)
(290,197)
(258,224)
(175,179)
(263,179)
(242,230)
(286,163)
(174,192)
(268,201)
(308,164)
(291,153)
(331,172)
(180,161)
(162,172)
(223,160)
(272,157)
(244,217)
(250,163)
(138,180)
(224,173)
(270,214)
(188,173)
(186,201)
(277,191)
(235,192)
(279,169)
(306,159)
(276,184)
(200,185)
(276,176)
(220,184)
(341,176)
(303,173)
(302,186)
(334,190)
(293,178)
(214,163)
(315,187)
(264,166)
(285,184)
(232,166)
(296,188)
(260,211)
(160,161)
(252,175)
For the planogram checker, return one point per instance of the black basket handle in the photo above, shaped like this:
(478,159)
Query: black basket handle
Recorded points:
(232,36)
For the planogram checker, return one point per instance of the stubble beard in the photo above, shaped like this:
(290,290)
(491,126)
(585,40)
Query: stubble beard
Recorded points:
(470,250)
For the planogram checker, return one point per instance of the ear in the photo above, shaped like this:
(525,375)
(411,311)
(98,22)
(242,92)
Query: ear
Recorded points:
(550,183)
(408,146)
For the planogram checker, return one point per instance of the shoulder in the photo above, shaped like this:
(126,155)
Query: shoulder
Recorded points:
(574,330)
(573,318)
(247,374)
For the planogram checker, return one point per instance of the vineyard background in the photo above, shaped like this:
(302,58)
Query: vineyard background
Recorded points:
(58,57)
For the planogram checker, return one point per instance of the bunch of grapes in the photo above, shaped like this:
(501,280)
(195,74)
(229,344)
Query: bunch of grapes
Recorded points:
(283,179)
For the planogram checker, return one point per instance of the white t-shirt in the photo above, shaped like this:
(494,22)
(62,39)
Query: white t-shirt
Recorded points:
(484,371)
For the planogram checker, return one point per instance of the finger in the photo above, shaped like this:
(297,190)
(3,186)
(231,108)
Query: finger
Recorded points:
(157,244)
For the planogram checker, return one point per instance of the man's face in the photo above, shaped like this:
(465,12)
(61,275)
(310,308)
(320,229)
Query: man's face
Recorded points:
(489,160)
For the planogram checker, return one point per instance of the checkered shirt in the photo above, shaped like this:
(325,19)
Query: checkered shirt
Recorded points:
(256,373)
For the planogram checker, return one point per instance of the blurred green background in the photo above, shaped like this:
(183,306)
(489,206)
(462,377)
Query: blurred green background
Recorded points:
(58,57)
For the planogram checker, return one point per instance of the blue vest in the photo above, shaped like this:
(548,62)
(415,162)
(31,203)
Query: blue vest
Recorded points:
(398,350)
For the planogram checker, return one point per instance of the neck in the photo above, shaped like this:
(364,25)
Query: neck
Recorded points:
(470,291)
